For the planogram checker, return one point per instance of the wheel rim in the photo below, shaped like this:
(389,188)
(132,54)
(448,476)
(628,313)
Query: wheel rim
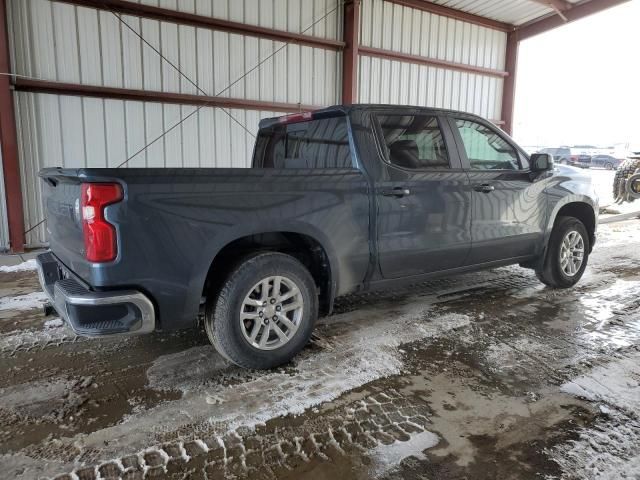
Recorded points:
(271,312)
(572,253)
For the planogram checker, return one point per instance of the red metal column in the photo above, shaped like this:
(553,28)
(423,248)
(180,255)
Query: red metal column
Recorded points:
(9,143)
(350,53)
(509,89)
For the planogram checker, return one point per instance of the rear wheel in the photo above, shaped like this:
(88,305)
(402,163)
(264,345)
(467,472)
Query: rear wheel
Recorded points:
(567,254)
(265,311)
(608,166)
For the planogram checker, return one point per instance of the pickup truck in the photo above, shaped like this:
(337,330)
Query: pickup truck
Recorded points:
(339,200)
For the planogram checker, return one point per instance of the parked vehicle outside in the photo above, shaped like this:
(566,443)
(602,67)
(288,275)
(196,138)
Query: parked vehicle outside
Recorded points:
(580,157)
(340,200)
(568,156)
(607,162)
(561,155)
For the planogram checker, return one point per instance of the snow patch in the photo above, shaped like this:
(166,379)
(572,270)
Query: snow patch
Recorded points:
(386,457)
(616,384)
(28,339)
(608,449)
(23,302)
(21,267)
(54,323)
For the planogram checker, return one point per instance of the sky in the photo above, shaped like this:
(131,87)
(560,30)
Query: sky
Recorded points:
(580,83)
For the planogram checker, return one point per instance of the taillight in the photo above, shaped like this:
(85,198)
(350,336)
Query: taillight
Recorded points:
(100,238)
(295,117)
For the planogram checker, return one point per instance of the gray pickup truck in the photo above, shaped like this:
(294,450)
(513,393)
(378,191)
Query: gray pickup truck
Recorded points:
(340,200)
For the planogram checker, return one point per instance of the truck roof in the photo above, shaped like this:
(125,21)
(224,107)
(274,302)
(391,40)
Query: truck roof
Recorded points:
(345,109)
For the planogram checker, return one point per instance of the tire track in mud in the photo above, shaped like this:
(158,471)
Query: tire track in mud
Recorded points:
(380,419)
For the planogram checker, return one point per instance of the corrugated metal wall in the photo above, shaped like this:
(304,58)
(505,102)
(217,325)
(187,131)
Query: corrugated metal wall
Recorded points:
(407,30)
(66,43)
(4,227)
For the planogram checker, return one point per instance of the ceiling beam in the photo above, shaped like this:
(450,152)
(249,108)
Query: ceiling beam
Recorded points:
(560,6)
(432,62)
(60,88)
(576,12)
(126,7)
(455,14)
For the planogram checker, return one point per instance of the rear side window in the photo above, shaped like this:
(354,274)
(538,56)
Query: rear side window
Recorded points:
(321,143)
(414,141)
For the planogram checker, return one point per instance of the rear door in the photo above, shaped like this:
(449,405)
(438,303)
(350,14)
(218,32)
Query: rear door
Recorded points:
(424,203)
(508,208)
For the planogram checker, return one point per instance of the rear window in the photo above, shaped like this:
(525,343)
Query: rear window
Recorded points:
(321,143)
(414,141)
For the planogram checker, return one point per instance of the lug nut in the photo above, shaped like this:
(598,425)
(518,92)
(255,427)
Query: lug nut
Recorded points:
(260,313)
(273,300)
(264,304)
(275,317)
(278,308)
(266,320)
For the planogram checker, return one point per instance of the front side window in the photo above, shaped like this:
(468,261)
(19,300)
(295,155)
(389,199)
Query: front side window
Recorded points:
(321,143)
(486,150)
(414,141)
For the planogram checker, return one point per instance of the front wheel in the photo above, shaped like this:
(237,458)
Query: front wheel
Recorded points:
(265,311)
(567,254)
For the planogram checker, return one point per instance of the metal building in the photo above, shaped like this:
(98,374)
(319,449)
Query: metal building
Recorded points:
(92,82)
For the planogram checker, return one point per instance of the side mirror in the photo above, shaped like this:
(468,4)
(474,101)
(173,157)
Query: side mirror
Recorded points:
(541,162)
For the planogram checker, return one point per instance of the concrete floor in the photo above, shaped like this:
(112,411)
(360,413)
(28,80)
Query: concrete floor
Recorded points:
(482,376)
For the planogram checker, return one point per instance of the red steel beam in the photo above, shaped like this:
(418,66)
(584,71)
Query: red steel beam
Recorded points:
(433,62)
(9,144)
(455,14)
(58,88)
(572,14)
(509,87)
(184,18)
(350,53)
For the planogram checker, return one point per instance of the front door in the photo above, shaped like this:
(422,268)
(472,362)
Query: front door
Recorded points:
(424,201)
(508,207)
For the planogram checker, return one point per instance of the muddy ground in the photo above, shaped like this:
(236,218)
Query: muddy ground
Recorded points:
(480,376)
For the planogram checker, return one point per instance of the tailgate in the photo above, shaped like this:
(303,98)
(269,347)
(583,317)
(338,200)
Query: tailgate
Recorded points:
(61,198)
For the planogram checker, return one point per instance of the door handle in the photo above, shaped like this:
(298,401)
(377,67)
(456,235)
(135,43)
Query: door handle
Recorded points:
(484,188)
(397,192)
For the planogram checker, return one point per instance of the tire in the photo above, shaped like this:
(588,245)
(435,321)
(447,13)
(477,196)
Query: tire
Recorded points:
(625,171)
(608,166)
(552,272)
(231,336)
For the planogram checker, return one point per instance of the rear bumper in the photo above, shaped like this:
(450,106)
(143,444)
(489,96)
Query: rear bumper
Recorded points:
(94,314)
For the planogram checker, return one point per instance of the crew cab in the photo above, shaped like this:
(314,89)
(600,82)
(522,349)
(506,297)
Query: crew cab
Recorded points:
(340,200)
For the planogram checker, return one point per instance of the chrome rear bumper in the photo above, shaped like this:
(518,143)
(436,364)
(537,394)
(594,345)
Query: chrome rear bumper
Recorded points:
(90,313)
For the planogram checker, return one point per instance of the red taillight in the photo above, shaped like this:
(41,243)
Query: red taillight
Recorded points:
(296,117)
(100,238)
